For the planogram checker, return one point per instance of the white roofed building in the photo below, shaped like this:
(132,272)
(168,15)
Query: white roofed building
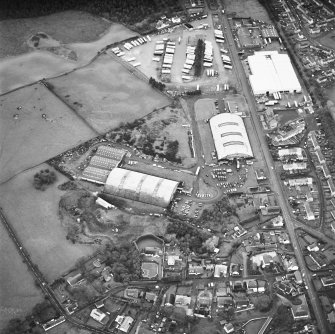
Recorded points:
(272,72)
(140,187)
(230,137)
(99,316)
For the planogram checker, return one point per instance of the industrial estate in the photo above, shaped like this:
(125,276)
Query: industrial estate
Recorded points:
(177,179)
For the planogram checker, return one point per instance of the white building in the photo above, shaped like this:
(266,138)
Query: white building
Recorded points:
(97,315)
(140,187)
(230,137)
(272,72)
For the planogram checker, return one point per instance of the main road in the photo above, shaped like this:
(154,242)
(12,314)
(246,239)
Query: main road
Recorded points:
(273,176)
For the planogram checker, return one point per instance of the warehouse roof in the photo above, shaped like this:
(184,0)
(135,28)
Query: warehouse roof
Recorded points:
(230,136)
(140,187)
(272,72)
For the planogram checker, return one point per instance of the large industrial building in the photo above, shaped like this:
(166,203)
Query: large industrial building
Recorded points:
(140,187)
(230,137)
(272,72)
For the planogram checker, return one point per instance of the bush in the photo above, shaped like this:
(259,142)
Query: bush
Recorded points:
(44,178)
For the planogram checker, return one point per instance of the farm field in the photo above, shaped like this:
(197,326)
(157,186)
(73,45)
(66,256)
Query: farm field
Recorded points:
(67,27)
(25,69)
(30,139)
(18,293)
(34,216)
(106,94)
(247,8)
(33,66)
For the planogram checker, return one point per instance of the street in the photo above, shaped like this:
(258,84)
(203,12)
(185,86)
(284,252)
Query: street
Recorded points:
(273,177)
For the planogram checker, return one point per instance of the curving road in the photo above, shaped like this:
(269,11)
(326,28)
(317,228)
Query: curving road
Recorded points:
(273,177)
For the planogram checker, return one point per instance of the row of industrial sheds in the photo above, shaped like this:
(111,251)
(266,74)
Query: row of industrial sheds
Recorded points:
(103,161)
(140,187)
(272,72)
(230,137)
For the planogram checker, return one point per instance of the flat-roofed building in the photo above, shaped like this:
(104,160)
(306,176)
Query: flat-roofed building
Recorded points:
(272,72)
(289,152)
(304,181)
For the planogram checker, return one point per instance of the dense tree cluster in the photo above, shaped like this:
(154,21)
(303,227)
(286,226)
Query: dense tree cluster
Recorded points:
(218,211)
(44,178)
(124,261)
(156,84)
(127,11)
(172,151)
(282,318)
(263,303)
(189,238)
(199,57)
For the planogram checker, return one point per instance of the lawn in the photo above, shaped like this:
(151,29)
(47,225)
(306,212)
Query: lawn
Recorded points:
(106,94)
(31,139)
(34,216)
(327,40)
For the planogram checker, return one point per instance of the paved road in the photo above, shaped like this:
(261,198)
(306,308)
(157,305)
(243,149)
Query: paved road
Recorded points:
(273,177)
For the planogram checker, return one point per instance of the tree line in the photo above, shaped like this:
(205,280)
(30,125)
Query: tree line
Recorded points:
(199,57)
(126,11)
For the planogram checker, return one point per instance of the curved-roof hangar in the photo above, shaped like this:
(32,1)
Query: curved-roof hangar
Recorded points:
(230,137)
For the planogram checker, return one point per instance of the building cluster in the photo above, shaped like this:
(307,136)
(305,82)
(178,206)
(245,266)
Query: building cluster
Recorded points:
(253,34)
(317,256)
(302,19)
(290,133)
(322,159)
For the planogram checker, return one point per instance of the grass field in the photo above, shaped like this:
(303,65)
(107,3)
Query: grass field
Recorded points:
(30,140)
(247,8)
(67,27)
(34,215)
(33,66)
(18,293)
(107,94)
(327,40)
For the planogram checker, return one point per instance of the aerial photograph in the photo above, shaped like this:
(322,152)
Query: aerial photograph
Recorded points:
(167,166)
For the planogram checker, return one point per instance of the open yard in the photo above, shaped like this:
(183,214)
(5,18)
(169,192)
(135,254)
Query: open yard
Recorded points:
(106,94)
(26,138)
(145,53)
(34,215)
(247,8)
